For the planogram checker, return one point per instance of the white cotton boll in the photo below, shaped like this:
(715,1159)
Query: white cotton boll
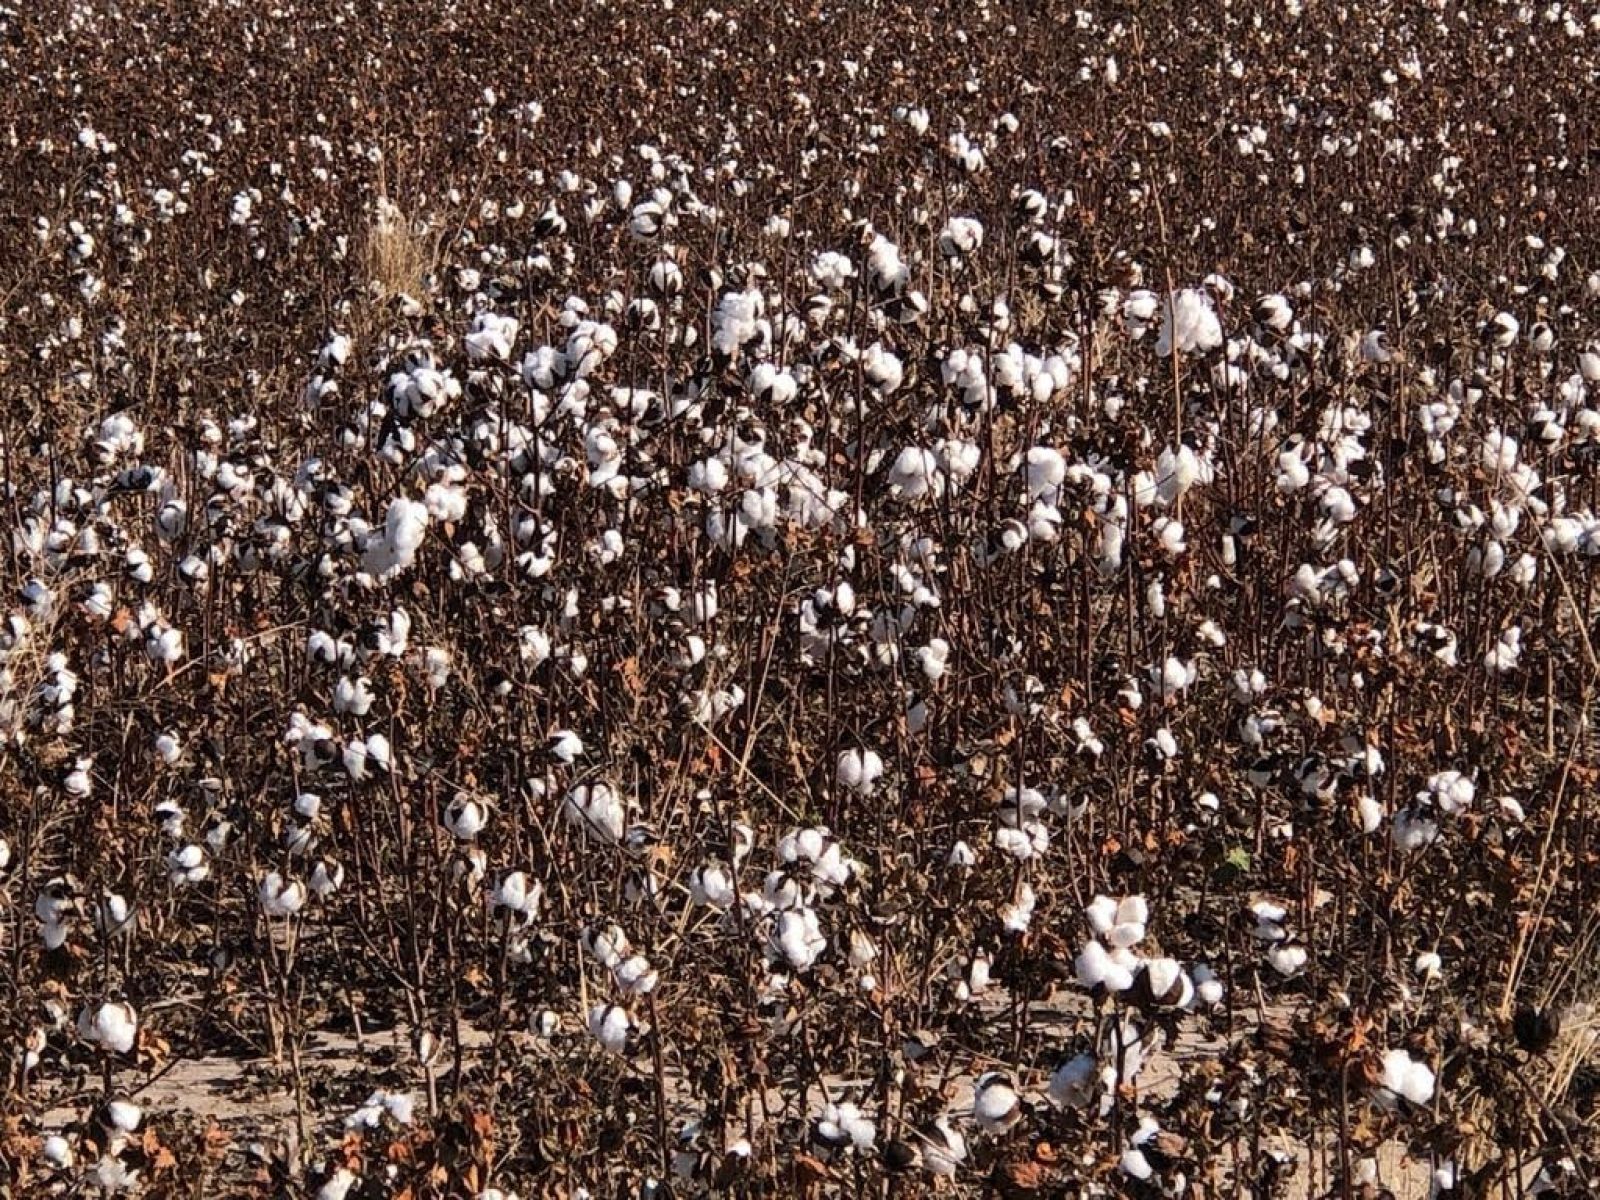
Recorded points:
(1269,919)
(187,866)
(859,771)
(57,1152)
(1155,599)
(338,1184)
(1173,676)
(491,338)
(915,474)
(1488,562)
(944,1151)
(112,1026)
(466,818)
(1287,959)
(1189,323)
(961,856)
(844,1123)
(1498,454)
(1169,535)
(1413,831)
(882,369)
(596,810)
(436,666)
(1504,656)
(1452,791)
(1135,1165)
(1095,967)
(280,898)
(1045,470)
(1370,814)
(78,783)
(996,1107)
(978,972)
(1338,505)
(168,748)
(886,269)
(353,697)
(635,976)
(708,476)
(711,886)
(1016,916)
(863,950)
(832,270)
(798,937)
(1404,1078)
(1073,1084)
(961,236)
(1176,472)
(1428,965)
(607,946)
(326,879)
(1168,983)
(114,915)
(446,503)
(934,659)
(609,1025)
(405,527)
(1208,989)
(565,746)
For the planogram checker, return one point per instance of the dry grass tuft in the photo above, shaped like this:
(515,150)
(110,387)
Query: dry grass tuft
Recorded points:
(399,254)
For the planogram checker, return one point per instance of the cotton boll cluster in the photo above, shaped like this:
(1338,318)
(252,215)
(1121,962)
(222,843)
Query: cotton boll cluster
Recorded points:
(815,526)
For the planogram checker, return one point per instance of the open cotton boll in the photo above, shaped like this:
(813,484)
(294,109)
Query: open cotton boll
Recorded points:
(1135,1165)
(1505,654)
(124,1115)
(1075,1082)
(112,1026)
(916,474)
(57,1152)
(596,810)
(960,237)
(1369,812)
(1095,967)
(860,770)
(798,938)
(280,897)
(844,1124)
(635,976)
(1189,323)
(518,895)
(1287,958)
(711,886)
(405,526)
(1405,1079)
(609,1024)
(882,369)
(491,338)
(1413,830)
(944,1150)
(1119,922)
(996,1106)
(1452,791)
(1168,983)
(1045,470)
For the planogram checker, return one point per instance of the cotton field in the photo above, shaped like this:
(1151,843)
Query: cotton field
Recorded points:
(859,599)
